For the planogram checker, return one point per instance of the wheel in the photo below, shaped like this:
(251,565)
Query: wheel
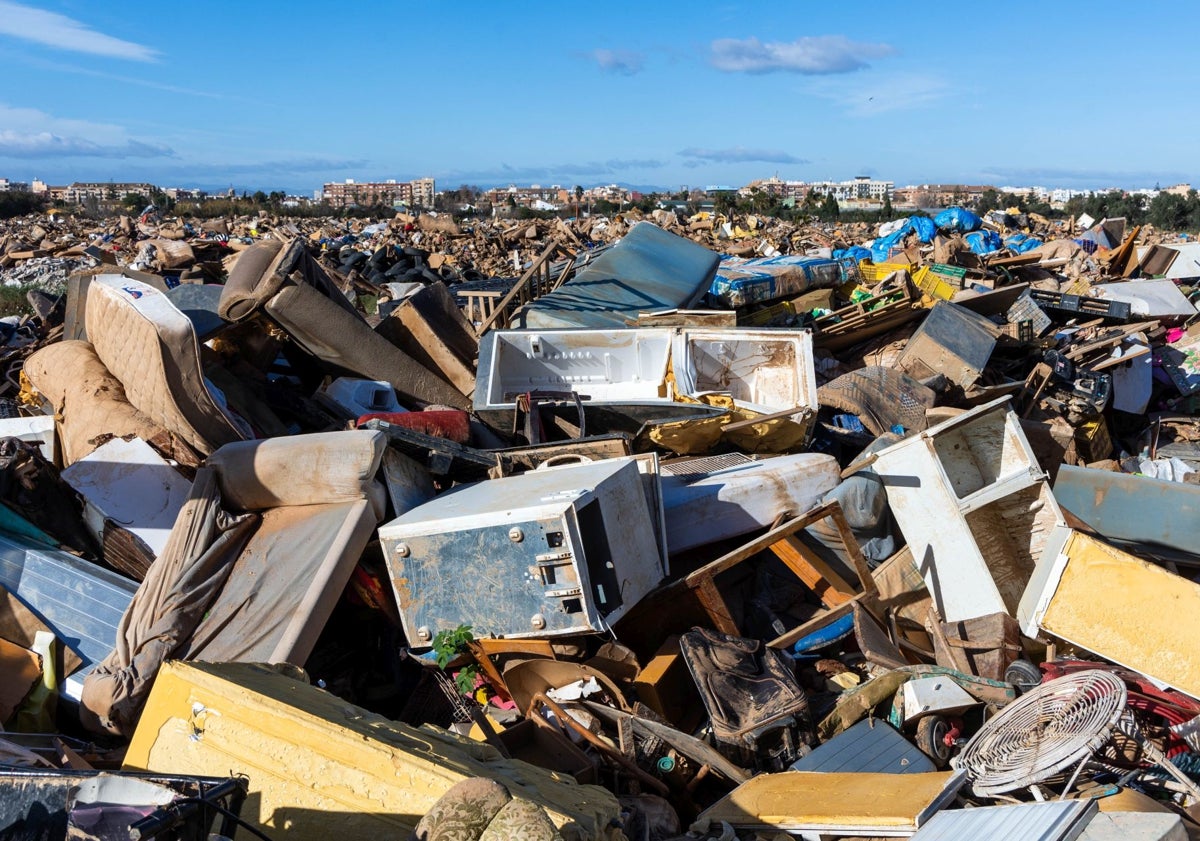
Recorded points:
(930,739)
(1023,675)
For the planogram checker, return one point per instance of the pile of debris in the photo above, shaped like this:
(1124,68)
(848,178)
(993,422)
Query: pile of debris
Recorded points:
(753,532)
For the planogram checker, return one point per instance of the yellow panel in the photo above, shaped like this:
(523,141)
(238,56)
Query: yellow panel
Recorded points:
(799,799)
(320,767)
(1129,611)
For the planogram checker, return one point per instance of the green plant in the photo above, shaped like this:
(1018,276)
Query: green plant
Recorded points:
(449,644)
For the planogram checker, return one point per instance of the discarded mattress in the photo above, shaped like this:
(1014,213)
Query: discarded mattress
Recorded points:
(89,401)
(255,563)
(320,767)
(290,287)
(127,484)
(648,270)
(151,348)
(740,282)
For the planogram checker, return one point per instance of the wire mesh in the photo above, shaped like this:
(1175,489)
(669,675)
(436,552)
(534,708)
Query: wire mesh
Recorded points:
(1044,732)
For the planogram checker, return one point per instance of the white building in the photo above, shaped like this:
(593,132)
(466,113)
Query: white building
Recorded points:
(861,187)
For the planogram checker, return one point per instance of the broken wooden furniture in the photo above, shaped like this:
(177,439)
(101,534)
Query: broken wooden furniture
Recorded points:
(815,573)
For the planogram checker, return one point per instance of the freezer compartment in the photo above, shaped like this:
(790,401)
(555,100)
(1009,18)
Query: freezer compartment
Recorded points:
(764,370)
(601,366)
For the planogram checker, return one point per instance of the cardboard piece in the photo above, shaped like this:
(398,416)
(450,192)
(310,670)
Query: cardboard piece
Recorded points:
(20,670)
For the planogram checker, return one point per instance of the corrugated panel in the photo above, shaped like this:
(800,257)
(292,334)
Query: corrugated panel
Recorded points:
(871,747)
(1027,821)
(80,601)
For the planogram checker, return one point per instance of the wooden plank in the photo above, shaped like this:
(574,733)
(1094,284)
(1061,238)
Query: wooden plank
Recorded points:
(817,575)
(757,545)
(715,606)
(519,288)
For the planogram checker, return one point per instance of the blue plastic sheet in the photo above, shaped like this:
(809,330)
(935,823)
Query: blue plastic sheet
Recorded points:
(958,219)
(854,252)
(925,228)
(741,282)
(881,248)
(1020,243)
(984,242)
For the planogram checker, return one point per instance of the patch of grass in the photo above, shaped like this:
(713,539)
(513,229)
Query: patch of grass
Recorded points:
(13,302)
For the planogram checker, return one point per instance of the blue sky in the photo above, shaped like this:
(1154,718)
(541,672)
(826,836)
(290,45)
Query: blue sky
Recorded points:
(290,95)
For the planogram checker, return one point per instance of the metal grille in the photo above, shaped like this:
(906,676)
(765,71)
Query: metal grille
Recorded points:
(691,469)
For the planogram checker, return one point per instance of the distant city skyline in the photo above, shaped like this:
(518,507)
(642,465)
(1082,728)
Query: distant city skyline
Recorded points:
(651,95)
(7,181)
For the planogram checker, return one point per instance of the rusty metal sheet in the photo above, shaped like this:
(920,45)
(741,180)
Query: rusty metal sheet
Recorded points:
(1160,517)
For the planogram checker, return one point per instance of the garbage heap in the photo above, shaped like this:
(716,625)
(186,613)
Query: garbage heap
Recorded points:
(883,537)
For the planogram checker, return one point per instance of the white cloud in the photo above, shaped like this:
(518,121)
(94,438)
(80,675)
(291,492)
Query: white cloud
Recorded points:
(43,144)
(740,154)
(30,133)
(624,62)
(64,33)
(810,55)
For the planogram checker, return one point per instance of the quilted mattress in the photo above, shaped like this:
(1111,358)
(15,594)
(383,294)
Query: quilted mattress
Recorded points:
(151,347)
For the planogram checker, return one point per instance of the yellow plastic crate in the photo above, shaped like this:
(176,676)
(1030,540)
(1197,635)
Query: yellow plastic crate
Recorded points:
(875,272)
(932,284)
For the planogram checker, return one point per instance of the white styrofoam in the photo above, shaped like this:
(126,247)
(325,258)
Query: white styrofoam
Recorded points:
(129,483)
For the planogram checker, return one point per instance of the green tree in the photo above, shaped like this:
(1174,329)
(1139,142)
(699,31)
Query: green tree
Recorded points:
(988,200)
(1172,213)
(259,198)
(829,211)
(886,211)
(134,201)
